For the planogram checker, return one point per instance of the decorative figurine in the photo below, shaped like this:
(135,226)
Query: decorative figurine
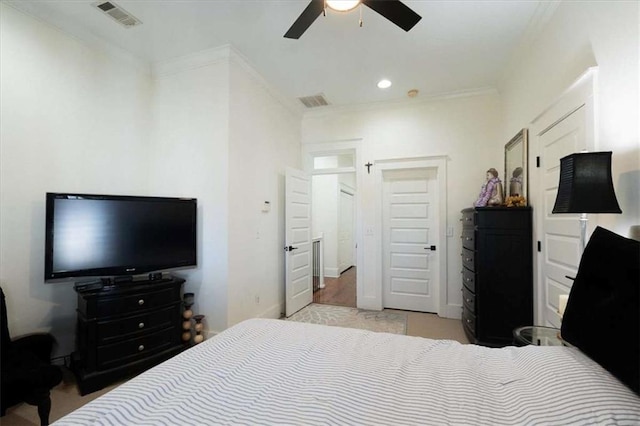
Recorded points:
(491,193)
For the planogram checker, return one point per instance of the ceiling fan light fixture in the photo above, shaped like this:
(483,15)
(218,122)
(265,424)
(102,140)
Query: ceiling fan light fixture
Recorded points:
(342,5)
(393,10)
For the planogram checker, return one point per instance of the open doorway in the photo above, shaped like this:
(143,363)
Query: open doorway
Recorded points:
(333,230)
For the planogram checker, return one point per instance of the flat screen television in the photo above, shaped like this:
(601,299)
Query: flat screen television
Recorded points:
(110,235)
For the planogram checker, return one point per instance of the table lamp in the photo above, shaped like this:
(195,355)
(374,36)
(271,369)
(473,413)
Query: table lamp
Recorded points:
(585,187)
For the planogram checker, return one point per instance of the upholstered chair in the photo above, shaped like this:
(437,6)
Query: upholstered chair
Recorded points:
(27,373)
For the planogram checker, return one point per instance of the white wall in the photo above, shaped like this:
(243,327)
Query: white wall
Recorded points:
(189,158)
(79,120)
(465,129)
(580,35)
(73,120)
(264,139)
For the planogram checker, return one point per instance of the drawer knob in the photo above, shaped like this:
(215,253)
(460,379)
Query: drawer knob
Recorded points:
(141,302)
(468,280)
(140,348)
(468,300)
(468,239)
(468,259)
(141,325)
(468,321)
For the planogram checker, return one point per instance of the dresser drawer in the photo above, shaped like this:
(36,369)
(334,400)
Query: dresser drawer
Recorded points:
(124,328)
(468,299)
(468,239)
(469,321)
(469,279)
(468,259)
(501,218)
(131,303)
(468,218)
(137,348)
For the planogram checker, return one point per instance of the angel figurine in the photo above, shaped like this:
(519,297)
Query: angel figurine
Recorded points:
(491,193)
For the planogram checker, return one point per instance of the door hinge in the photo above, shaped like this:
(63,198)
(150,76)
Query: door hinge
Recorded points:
(538,161)
(539,246)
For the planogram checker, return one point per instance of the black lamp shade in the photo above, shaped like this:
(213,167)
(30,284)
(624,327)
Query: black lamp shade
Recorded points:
(586,185)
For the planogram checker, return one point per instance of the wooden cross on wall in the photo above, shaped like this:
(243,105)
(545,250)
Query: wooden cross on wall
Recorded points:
(368,166)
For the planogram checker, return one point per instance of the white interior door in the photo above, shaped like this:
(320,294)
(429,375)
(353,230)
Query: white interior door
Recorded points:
(298,259)
(345,232)
(410,239)
(566,127)
(560,250)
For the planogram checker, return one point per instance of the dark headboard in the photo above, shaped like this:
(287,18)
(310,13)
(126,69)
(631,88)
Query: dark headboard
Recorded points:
(602,317)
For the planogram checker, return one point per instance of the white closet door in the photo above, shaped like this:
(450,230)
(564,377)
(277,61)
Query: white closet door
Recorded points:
(410,240)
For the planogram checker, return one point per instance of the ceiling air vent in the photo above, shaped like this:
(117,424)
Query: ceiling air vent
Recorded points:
(314,101)
(118,14)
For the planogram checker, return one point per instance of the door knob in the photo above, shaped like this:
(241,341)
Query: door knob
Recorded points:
(290,248)
(432,248)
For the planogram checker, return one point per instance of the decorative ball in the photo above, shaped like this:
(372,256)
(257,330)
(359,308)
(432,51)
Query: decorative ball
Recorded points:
(186,325)
(199,326)
(187,314)
(198,338)
(186,336)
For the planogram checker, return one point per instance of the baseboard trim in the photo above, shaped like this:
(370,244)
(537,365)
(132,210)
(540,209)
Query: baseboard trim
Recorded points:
(452,312)
(331,273)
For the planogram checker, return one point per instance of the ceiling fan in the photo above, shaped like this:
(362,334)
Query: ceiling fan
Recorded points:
(394,10)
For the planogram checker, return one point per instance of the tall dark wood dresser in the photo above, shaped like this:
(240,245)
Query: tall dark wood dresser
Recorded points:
(497,273)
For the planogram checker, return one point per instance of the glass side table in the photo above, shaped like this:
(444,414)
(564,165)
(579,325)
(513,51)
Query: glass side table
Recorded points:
(538,336)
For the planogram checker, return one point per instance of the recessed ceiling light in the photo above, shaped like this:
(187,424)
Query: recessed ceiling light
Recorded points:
(384,84)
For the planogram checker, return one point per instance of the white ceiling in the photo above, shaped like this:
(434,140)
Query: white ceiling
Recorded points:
(458,46)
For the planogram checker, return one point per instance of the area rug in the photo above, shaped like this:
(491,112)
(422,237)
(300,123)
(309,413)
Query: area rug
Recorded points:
(340,316)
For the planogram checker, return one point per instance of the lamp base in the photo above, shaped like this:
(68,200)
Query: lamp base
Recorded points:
(583,232)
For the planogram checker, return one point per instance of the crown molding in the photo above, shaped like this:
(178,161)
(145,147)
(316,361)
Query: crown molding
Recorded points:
(239,59)
(191,61)
(226,54)
(400,103)
(541,17)
(535,28)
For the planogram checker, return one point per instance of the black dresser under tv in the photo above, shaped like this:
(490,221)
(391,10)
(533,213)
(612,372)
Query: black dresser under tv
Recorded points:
(125,329)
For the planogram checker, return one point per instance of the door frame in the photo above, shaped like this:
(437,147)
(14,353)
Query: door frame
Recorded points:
(338,147)
(439,163)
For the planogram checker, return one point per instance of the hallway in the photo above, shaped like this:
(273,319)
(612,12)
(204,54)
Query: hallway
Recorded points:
(339,291)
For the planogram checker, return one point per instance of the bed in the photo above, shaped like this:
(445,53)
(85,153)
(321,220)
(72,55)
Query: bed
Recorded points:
(281,372)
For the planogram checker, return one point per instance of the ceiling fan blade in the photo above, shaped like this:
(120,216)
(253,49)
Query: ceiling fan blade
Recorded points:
(395,11)
(306,18)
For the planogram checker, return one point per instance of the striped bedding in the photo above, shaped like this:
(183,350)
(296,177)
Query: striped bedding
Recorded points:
(281,372)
